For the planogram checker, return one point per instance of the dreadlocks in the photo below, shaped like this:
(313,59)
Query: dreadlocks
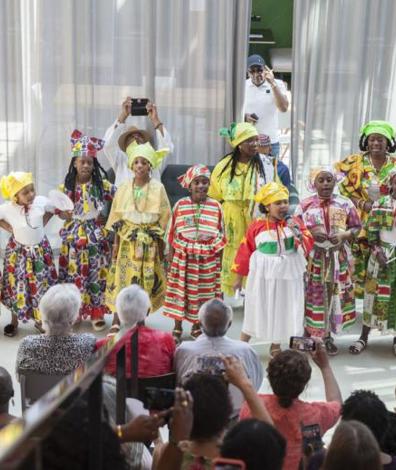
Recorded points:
(254,162)
(363,143)
(98,175)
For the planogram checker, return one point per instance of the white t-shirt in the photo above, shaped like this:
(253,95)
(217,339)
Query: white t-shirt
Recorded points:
(260,101)
(28,229)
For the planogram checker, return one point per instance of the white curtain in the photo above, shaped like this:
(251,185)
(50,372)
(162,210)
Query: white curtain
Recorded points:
(343,75)
(70,63)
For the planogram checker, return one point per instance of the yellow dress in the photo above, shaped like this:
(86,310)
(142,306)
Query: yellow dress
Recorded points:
(236,197)
(139,217)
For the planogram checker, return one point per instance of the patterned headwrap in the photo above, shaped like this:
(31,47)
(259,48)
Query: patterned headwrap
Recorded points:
(192,173)
(10,185)
(271,192)
(314,172)
(238,133)
(378,127)
(264,140)
(84,146)
(154,157)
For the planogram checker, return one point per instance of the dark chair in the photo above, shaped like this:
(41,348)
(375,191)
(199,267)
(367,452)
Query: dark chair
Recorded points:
(34,385)
(158,381)
(172,186)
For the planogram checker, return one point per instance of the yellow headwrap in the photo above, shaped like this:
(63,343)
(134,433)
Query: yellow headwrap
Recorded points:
(271,192)
(238,133)
(10,185)
(154,157)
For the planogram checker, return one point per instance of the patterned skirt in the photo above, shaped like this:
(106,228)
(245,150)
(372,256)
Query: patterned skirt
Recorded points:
(193,278)
(29,271)
(379,306)
(330,298)
(84,258)
(138,262)
(361,254)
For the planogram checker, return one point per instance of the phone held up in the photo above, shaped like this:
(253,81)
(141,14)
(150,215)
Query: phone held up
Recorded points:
(302,344)
(138,106)
(228,464)
(158,399)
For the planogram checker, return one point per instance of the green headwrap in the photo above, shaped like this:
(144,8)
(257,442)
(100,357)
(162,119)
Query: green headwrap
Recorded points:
(379,127)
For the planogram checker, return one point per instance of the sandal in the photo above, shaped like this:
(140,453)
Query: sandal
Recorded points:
(195,331)
(177,334)
(358,346)
(10,330)
(113,330)
(331,348)
(98,325)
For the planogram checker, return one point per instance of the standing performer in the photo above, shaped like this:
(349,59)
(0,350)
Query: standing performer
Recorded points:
(29,268)
(195,236)
(139,216)
(234,183)
(379,306)
(364,182)
(86,251)
(332,221)
(269,256)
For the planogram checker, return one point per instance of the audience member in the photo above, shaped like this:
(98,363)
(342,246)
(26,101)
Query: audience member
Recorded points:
(215,318)
(6,393)
(121,134)
(155,348)
(58,351)
(353,447)
(259,445)
(289,373)
(264,98)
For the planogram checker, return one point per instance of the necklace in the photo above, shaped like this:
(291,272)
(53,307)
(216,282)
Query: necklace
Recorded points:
(138,193)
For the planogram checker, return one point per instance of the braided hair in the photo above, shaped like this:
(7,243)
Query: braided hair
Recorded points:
(254,162)
(363,143)
(98,175)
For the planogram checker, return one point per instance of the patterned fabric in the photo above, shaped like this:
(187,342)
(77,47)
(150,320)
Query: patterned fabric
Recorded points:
(363,182)
(196,233)
(29,271)
(54,355)
(85,251)
(192,173)
(379,307)
(84,146)
(330,299)
(237,199)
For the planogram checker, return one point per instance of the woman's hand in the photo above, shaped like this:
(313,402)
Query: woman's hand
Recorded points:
(238,283)
(65,215)
(152,114)
(6,226)
(319,356)
(125,109)
(181,421)
(143,428)
(235,372)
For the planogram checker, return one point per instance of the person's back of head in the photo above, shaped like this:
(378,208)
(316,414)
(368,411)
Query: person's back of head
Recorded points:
(366,407)
(132,305)
(288,374)
(353,447)
(256,443)
(6,389)
(215,317)
(212,405)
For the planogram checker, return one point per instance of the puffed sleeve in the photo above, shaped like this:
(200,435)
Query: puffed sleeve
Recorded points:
(165,209)
(245,251)
(220,240)
(170,229)
(215,188)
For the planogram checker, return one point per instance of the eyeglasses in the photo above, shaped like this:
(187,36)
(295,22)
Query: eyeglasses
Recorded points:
(254,70)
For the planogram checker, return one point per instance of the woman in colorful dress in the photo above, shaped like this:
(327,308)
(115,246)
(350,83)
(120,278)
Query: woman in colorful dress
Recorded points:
(332,220)
(233,183)
(195,237)
(29,269)
(139,216)
(379,306)
(270,257)
(364,182)
(86,250)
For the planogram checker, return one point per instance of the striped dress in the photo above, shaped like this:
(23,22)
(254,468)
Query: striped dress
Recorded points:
(196,234)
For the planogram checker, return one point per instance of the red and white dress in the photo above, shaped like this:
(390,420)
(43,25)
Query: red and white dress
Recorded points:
(196,233)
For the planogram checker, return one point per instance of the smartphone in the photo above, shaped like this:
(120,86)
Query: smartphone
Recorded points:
(302,344)
(158,399)
(228,464)
(213,365)
(311,439)
(138,107)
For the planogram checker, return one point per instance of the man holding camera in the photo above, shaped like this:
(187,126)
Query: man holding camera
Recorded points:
(121,133)
(264,98)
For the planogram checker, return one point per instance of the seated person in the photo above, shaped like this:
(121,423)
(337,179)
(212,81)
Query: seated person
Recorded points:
(155,348)
(215,318)
(58,351)
(6,393)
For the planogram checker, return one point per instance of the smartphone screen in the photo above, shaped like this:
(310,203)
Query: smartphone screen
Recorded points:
(311,439)
(302,344)
(138,106)
(158,399)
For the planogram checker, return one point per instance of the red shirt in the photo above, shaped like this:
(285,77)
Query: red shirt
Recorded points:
(288,422)
(156,350)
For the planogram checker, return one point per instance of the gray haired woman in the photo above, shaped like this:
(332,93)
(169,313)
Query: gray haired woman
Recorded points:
(58,351)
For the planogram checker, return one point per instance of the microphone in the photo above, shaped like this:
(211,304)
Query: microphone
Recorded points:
(294,227)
